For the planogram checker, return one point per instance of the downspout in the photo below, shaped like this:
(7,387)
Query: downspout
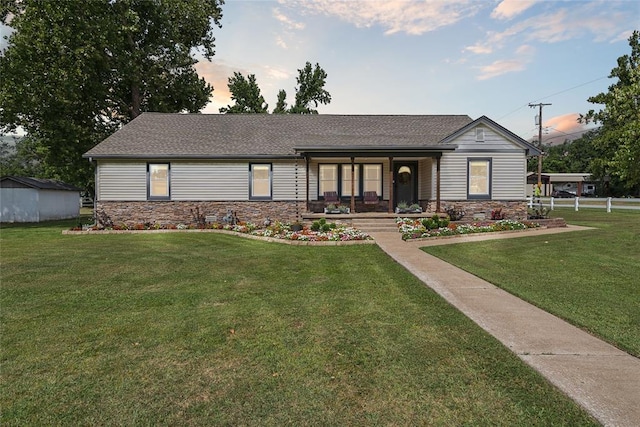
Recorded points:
(390,185)
(438,184)
(353,186)
(306,159)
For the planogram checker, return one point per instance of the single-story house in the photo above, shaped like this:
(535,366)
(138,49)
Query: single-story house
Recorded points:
(24,199)
(161,167)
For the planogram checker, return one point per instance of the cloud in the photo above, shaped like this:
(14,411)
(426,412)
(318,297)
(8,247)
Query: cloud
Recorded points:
(524,55)
(281,43)
(600,23)
(561,128)
(276,73)
(479,49)
(217,73)
(507,9)
(289,23)
(565,123)
(395,16)
(500,67)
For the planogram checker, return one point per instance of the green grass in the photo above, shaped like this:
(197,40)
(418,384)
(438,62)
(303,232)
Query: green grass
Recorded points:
(207,329)
(589,278)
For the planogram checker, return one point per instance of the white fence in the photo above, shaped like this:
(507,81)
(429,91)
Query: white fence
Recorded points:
(585,202)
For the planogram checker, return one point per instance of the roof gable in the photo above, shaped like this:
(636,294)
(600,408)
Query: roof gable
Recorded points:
(507,134)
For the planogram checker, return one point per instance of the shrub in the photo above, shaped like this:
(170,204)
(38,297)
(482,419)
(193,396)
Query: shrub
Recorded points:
(497,214)
(454,213)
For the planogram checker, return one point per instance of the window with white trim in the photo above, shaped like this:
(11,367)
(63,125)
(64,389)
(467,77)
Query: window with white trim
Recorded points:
(372,178)
(346,180)
(158,181)
(480,134)
(260,181)
(328,179)
(479,179)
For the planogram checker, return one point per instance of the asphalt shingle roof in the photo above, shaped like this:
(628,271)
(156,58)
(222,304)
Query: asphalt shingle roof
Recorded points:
(39,183)
(245,135)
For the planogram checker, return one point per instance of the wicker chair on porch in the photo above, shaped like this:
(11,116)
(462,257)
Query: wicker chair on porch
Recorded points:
(331,198)
(370,198)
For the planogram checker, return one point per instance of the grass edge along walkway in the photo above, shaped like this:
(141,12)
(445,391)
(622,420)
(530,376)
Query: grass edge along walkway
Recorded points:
(600,377)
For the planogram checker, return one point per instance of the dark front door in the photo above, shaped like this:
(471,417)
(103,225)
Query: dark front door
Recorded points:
(405,182)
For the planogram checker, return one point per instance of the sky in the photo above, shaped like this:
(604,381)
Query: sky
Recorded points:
(472,57)
(477,58)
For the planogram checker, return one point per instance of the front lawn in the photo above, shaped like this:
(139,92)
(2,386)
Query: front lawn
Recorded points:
(208,329)
(589,278)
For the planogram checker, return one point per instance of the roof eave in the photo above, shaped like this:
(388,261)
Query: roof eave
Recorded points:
(189,156)
(332,151)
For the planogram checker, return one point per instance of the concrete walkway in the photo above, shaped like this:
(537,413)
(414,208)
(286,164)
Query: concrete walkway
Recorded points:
(601,378)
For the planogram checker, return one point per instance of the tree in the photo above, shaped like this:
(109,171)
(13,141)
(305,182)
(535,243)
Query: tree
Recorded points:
(310,89)
(281,105)
(618,138)
(74,72)
(17,156)
(246,93)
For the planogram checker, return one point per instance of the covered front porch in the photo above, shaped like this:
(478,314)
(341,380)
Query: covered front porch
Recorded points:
(402,176)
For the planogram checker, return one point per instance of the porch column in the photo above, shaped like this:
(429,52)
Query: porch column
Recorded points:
(390,185)
(438,184)
(306,159)
(353,185)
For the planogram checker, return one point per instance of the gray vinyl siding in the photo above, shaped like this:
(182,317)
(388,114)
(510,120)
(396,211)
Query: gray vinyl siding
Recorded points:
(508,175)
(214,181)
(218,181)
(425,185)
(284,176)
(121,180)
(492,141)
(453,176)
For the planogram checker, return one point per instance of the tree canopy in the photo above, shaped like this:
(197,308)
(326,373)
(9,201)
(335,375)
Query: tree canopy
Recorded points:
(310,91)
(246,94)
(618,138)
(74,72)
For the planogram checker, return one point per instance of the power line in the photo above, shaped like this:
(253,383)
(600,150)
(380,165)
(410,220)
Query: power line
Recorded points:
(571,88)
(572,133)
(553,94)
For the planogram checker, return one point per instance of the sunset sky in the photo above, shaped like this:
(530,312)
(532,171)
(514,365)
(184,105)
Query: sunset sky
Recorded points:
(469,57)
(431,57)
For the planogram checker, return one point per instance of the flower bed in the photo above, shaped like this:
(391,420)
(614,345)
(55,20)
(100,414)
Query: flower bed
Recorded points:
(418,228)
(329,232)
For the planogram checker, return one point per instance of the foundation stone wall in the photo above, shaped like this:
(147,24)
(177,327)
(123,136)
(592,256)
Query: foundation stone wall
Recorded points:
(185,212)
(481,209)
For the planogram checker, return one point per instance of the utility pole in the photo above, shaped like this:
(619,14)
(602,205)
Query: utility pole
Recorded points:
(540,105)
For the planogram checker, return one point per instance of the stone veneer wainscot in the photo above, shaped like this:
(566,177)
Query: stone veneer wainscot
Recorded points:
(177,212)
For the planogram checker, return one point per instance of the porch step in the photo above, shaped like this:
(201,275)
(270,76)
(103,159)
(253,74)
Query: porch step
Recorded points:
(375,224)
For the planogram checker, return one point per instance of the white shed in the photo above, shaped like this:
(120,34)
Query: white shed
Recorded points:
(25,199)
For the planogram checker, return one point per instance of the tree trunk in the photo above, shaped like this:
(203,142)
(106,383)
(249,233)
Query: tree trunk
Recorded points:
(134,108)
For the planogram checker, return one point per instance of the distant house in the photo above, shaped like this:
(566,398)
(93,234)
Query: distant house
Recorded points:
(579,184)
(161,167)
(25,199)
